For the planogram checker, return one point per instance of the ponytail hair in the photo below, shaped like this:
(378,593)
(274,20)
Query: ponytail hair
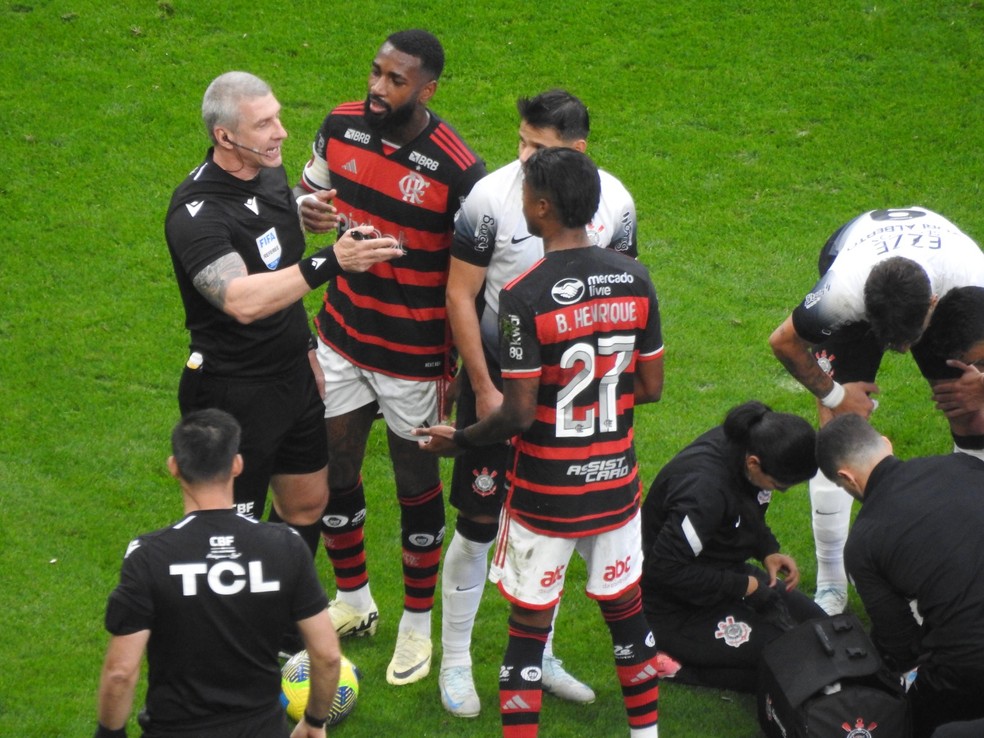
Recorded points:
(785,444)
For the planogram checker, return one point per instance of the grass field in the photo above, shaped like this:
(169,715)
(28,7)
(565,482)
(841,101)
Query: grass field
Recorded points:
(747,132)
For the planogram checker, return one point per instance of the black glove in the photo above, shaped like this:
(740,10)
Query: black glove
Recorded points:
(771,606)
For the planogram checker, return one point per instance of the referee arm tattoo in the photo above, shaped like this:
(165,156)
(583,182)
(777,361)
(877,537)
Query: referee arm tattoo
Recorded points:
(213,281)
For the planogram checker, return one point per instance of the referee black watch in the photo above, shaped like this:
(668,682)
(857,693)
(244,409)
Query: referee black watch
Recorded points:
(313,721)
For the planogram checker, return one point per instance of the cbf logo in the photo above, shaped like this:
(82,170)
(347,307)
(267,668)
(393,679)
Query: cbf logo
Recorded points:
(860,730)
(412,186)
(567,291)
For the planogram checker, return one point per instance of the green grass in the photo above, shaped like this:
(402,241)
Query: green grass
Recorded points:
(747,132)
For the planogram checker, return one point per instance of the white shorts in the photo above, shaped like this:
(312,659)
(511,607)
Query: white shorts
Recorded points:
(529,568)
(404,403)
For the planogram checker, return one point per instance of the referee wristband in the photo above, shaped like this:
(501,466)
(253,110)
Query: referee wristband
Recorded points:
(313,721)
(319,267)
(833,398)
(460,441)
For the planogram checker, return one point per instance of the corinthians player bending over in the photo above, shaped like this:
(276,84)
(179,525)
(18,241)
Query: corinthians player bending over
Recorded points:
(881,276)
(580,345)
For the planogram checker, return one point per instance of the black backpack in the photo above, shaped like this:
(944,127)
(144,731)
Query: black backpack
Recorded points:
(824,679)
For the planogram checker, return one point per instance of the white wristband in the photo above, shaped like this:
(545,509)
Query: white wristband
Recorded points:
(300,200)
(833,398)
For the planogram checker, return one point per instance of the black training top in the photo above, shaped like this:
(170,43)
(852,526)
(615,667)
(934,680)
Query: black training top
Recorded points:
(217,591)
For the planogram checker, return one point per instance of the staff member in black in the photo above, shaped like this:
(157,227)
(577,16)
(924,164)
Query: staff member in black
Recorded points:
(208,599)
(917,537)
(235,238)
(703,519)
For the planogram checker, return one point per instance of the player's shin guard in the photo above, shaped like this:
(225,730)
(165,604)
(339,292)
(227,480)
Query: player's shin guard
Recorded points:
(635,661)
(831,520)
(462,583)
(520,691)
(422,524)
(342,532)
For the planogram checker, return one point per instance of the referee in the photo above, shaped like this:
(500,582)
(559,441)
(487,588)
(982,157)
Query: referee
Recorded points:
(208,599)
(238,251)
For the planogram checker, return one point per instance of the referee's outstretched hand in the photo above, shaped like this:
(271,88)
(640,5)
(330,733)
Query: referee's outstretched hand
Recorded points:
(359,249)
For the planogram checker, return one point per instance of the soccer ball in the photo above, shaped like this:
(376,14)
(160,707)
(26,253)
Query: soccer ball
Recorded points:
(295,684)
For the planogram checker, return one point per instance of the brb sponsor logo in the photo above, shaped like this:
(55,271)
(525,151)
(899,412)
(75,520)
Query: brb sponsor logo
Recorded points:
(358,136)
(423,161)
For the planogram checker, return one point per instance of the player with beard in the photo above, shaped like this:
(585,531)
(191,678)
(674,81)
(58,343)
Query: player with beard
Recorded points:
(390,163)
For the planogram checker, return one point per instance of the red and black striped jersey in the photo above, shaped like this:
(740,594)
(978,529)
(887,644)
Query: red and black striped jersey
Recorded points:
(579,320)
(392,318)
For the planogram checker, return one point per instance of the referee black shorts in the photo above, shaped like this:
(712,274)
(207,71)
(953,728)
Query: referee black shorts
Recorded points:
(282,420)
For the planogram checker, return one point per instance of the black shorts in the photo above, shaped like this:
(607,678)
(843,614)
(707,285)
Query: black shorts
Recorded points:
(267,723)
(282,420)
(478,482)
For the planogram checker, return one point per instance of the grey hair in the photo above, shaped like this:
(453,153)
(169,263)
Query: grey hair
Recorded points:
(220,106)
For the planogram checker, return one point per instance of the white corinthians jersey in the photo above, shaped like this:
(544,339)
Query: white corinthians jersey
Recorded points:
(490,232)
(949,256)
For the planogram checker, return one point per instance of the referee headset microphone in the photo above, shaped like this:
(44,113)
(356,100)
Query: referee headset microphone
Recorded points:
(228,140)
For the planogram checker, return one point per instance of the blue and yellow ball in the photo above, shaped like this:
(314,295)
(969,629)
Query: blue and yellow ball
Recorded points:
(295,684)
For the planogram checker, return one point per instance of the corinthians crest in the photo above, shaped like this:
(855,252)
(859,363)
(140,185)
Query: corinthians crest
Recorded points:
(484,484)
(734,633)
(859,730)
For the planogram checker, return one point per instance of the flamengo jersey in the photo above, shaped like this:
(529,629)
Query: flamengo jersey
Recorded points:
(213,214)
(392,319)
(579,320)
(949,256)
(490,232)
(217,591)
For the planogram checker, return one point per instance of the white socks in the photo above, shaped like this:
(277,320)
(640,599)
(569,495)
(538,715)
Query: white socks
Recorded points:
(462,583)
(831,507)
